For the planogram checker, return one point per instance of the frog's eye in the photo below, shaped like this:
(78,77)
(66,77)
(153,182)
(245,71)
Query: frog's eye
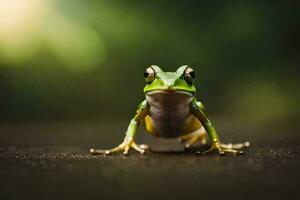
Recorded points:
(149,75)
(189,75)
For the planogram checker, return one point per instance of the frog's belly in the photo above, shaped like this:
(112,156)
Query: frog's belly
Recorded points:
(169,113)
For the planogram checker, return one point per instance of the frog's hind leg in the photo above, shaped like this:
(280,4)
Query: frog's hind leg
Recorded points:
(193,137)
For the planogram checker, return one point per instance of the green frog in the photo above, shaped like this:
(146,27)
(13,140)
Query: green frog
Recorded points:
(171,110)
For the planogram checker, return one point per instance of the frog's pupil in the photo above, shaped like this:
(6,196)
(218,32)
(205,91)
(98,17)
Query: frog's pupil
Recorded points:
(192,74)
(146,74)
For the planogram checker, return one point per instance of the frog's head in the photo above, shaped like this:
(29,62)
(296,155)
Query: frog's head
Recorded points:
(181,80)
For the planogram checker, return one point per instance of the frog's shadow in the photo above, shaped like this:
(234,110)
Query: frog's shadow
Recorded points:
(192,150)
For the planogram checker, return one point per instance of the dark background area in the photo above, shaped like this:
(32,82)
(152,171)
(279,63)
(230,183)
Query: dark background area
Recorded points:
(71,75)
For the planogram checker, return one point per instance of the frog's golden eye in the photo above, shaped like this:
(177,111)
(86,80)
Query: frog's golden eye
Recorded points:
(149,74)
(189,75)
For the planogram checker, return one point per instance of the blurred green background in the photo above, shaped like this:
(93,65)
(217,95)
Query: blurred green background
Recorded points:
(74,60)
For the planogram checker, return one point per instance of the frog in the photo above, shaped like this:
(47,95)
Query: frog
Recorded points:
(171,110)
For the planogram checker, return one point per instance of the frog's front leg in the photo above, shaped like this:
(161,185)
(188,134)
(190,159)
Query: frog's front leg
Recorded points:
(128,141)
(216,144)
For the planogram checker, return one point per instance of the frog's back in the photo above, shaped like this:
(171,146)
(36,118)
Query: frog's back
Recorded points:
(170,114)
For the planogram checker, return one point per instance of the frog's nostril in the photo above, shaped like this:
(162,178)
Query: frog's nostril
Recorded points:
(169,83)
(170,87)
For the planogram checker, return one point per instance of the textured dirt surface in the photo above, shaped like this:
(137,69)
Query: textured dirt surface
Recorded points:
(51,161)
(72,173)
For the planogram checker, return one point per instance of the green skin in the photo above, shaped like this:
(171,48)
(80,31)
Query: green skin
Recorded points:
(181,80)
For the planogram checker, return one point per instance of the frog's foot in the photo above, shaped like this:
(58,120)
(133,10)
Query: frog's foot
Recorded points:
(124,147)
(227,148)
(198,135)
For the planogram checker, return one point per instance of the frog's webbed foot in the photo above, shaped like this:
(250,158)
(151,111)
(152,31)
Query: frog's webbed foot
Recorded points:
(227,148)
(124,147)
(191,138)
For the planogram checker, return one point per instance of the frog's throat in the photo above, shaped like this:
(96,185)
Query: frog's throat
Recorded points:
(169,91)
(169,111)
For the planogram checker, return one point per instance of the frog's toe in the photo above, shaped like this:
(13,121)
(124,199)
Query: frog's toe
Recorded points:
(92,150)
(140,148)
(235,146)
(123,147)
(144,146)
(234,151)
(126,150)
(222,151)
(247,144)
(99,151)
(213,148)
(227,148)
(191,141)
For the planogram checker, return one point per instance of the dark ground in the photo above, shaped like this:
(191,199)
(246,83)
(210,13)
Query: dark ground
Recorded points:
(36,168)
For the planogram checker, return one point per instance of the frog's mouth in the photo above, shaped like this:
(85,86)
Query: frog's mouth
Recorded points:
(169,92)
(169,98)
